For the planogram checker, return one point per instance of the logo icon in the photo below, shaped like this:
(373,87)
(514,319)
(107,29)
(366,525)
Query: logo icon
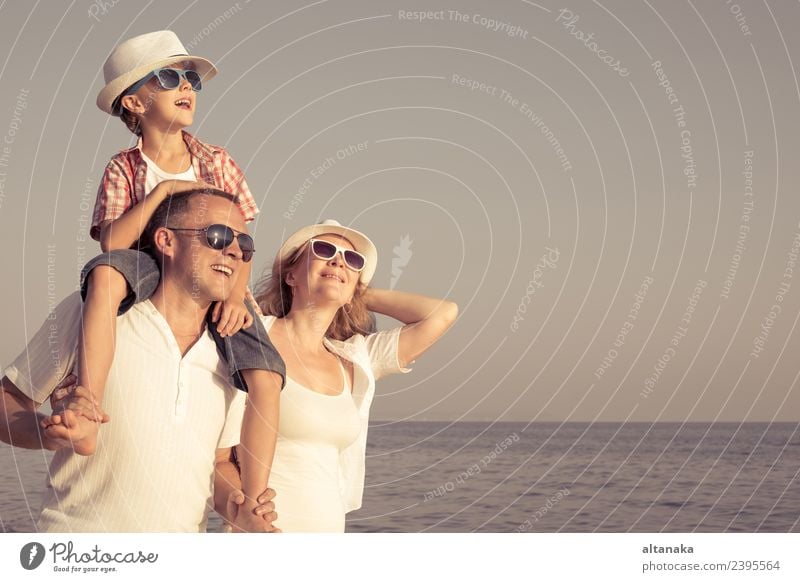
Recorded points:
(31,555)
(402,254)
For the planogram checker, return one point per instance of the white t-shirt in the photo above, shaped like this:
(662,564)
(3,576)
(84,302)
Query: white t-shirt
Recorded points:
(153,468)
(156,175)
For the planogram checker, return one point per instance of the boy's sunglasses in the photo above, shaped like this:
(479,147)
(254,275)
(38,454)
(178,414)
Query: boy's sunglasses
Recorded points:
(219,236)
(168,78)
(325,250)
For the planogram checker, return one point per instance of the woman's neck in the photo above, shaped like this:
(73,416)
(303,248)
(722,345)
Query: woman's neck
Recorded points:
(307,325)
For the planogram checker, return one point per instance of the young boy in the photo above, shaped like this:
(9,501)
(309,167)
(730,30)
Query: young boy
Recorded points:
(152,84)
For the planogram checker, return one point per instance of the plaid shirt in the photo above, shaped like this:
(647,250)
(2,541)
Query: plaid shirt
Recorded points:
(123,181)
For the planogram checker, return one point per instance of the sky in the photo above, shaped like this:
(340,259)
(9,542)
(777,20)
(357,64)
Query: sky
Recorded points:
(607,189)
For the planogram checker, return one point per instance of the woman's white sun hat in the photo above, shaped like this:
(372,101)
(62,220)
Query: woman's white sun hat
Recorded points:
(134,58)
(360,242)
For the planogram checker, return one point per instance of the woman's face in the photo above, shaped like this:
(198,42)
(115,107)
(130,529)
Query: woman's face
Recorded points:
(324,280)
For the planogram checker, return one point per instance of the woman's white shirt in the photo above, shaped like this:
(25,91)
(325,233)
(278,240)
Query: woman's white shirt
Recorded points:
(373,356)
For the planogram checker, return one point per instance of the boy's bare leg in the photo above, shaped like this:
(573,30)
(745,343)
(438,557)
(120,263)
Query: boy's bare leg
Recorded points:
(106,288)
(257,448)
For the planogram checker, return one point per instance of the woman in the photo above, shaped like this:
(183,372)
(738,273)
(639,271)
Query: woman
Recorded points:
(317,302)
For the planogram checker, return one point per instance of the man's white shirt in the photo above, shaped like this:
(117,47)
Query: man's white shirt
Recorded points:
(153,469)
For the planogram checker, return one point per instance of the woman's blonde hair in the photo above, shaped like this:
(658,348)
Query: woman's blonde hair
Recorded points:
(274,296)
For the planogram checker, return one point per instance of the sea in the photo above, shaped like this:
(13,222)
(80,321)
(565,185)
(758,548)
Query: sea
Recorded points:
(541,477)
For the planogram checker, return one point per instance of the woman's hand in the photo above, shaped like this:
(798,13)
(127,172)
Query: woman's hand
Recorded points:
(426,318)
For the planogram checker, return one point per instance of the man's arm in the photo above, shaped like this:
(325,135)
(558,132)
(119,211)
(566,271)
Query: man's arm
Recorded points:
(19,421)
(22,426)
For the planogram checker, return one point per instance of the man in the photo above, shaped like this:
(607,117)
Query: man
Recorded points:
(174,416)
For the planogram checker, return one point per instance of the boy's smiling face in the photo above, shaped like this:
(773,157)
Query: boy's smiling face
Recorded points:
(165,109)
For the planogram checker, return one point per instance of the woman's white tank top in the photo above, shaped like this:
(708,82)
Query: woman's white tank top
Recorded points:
(313,429)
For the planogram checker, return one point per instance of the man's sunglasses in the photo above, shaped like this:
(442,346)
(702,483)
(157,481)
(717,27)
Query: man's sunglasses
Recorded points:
(219,236)
(325,250)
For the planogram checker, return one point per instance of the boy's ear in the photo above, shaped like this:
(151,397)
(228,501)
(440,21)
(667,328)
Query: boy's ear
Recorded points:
(132,103)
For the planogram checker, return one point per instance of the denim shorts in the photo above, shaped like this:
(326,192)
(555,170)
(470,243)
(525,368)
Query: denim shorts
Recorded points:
(248,349)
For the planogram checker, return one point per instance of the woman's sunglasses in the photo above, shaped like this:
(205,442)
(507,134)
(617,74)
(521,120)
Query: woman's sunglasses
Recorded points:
(325,250)
(219,236)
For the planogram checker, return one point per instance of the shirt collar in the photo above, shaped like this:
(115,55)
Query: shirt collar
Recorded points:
(196,148)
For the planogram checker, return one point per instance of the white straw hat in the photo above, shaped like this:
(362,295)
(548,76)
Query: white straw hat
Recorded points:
(360,242)
(134,58)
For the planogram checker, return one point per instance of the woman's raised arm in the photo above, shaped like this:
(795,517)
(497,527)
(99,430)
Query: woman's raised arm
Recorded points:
(426,319)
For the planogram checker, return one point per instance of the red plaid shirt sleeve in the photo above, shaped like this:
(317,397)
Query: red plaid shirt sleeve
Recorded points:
(233,181)
(114,196)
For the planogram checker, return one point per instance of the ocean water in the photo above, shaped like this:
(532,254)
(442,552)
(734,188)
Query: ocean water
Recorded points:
(543,477)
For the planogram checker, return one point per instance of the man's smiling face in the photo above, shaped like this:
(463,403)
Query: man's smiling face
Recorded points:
(208,274)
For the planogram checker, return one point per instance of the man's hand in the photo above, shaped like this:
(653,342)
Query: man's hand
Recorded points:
(231,316)
(70,430)
(253,517)
(78,399)
(75,420)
